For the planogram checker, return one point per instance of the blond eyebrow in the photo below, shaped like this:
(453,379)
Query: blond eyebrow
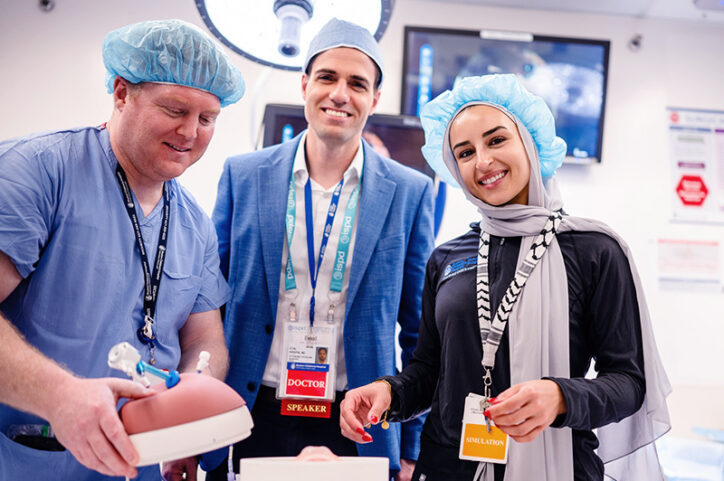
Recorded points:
(179,103)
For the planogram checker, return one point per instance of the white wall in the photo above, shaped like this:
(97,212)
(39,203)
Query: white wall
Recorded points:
(52,77)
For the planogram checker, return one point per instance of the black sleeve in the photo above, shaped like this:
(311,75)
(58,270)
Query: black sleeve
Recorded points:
(413,388)
(612,329)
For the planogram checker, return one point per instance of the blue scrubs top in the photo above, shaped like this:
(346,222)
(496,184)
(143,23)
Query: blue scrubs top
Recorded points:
(64,225)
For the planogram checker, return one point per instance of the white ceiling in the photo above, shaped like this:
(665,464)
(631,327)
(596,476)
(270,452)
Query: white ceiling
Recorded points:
(667,9)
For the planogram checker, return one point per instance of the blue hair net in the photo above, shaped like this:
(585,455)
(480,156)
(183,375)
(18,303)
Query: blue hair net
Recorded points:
(171,51)
(340,33)
(501,91)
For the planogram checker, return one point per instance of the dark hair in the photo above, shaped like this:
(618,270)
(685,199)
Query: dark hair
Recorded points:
(378,72)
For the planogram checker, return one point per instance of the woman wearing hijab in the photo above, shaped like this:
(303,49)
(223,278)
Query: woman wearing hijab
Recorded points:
(515,310)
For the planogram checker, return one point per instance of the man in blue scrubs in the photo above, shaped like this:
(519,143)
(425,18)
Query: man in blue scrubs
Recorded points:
(76,206)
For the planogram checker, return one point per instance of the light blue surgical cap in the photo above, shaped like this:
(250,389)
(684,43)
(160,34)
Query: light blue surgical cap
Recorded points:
(339,33)
(171,51)
(505,92)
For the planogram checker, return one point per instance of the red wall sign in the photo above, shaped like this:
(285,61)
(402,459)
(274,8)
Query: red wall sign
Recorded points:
(692,190)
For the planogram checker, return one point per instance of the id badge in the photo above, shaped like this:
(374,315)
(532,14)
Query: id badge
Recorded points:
(476,443)
(308,362)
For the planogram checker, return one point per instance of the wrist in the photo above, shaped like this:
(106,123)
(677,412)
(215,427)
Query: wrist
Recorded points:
(33,379)
(561,402)
(388,389)
(61,385)
(386,383)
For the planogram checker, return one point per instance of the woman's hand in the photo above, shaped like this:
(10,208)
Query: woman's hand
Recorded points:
(523,411)
(362,406)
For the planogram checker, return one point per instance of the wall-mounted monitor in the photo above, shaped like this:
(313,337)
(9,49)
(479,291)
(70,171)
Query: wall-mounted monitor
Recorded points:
(398,137)
(568,73)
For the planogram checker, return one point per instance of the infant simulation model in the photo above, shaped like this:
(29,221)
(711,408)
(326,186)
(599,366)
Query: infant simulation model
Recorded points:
(187,414)
(315,463)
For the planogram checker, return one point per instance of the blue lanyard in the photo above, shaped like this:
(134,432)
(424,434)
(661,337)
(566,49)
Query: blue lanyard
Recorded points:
(345,238)
(309,216)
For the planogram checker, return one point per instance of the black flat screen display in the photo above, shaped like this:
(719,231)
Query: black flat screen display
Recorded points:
(568,73)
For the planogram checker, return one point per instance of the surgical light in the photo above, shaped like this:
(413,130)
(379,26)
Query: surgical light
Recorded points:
(277,32)
(292,14)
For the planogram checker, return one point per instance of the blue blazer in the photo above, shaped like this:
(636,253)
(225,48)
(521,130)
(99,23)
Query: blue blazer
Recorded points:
(394,240)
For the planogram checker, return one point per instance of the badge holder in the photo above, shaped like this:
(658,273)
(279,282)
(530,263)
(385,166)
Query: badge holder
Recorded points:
(481,439)
(306,385)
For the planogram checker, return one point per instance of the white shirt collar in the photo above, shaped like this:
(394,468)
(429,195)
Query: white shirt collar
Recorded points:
(354,171)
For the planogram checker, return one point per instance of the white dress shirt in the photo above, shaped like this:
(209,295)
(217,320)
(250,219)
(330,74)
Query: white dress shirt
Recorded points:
(301,296)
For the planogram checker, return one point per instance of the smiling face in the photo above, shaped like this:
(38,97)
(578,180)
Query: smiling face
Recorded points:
(339,94)
(159,130)
(490,155)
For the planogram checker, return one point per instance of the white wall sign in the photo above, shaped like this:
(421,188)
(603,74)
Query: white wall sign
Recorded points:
(696,139)
(688,264)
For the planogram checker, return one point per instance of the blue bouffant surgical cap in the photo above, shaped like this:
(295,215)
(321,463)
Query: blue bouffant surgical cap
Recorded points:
(339,33)
(171,51)
(504,92)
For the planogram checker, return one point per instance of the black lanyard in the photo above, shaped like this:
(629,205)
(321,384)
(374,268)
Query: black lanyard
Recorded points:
(151,282)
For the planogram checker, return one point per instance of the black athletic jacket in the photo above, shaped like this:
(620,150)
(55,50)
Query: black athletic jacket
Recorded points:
(604,327)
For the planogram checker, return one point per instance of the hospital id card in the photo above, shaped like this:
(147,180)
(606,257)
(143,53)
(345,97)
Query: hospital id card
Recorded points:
(308,362)
(477,442)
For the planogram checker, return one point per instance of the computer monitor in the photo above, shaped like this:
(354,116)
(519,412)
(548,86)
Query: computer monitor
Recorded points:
(570,74)
(400,136)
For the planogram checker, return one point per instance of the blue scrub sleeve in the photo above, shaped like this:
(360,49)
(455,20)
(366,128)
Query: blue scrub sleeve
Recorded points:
(214,291)
(27,205)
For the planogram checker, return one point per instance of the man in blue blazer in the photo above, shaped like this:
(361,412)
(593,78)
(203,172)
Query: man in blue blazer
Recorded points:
(280,200)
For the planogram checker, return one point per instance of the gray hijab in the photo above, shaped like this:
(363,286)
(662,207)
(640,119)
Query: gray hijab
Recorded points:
(539,336)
